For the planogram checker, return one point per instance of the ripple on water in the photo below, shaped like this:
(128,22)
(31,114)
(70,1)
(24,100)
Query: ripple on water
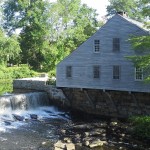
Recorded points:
(30,133)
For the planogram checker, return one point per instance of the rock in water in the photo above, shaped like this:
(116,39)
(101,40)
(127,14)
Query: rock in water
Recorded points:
(17,117)
(33,116)
(7,123)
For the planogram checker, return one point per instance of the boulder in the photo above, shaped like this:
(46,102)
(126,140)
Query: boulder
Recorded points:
(17,117)
(7,123)
(59,145)
(97,143)
(33,116)
(70,146)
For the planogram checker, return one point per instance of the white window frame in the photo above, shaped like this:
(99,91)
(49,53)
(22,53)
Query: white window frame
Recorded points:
(96,46)
(138,74)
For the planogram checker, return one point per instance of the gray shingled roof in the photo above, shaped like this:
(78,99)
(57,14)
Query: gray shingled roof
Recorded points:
(139,24)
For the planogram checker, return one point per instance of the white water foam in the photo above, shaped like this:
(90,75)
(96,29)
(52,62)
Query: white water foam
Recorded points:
(23,106)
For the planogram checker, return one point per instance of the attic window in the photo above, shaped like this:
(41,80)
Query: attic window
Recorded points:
(116,44)
(96,46)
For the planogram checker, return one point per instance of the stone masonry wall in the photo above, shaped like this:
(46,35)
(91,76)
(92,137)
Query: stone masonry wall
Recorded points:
(91,101)
(109,103)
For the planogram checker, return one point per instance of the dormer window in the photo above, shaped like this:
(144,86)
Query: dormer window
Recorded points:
(116,44)
(96,46)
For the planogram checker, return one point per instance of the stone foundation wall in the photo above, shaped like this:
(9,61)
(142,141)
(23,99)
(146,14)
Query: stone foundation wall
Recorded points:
(109,103)
(91,101)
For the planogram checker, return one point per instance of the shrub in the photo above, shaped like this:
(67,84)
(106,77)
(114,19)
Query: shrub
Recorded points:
(141,126)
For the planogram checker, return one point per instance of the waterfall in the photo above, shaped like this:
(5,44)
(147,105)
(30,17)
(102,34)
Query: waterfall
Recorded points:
(18,109)
(21,105)
(23,101)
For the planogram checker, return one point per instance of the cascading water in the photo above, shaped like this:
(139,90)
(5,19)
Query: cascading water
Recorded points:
(27,120)
(16,109)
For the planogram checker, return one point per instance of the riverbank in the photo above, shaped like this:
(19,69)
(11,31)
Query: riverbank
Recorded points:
(99,135)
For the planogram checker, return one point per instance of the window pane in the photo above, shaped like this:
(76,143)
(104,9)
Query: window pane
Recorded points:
(116,72)
(96,45)
(138,73)
(116,44)
(96,71)
(69,71)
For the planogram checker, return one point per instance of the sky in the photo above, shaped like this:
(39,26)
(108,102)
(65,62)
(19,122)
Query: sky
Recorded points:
(99,5)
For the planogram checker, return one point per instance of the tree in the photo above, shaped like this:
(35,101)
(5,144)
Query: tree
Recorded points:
(49,31)
(132,8)
(71,23)
(9,47)
(31,16)
(142,43)
(138,10)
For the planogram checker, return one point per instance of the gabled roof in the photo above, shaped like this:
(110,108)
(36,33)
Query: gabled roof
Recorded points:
(134,22)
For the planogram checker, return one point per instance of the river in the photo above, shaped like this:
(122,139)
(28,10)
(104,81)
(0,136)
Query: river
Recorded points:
(29,122)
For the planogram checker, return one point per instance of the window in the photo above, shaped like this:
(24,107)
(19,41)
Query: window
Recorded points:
(69,71)
(116,72)
(116,44)
(96,45)
(138,74)
(96,72)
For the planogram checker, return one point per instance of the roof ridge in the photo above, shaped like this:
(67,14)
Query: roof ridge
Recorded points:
(135,22)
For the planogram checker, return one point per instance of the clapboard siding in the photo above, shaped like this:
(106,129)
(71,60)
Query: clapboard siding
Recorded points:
(83,59)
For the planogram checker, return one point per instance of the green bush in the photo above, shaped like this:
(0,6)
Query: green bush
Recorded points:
(8,74)
(141,126)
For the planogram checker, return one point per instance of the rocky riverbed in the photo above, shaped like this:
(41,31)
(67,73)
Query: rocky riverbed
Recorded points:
(98,135)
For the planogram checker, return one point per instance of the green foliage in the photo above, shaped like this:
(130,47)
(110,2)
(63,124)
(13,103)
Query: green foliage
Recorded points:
(23,71)
(15,72)
(141,126)
(7,74)
(9,47)
(131,7)
(49,31)
(32,18)
(141,44)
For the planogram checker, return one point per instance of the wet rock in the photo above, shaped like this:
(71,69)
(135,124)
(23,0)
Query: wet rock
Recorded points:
(18,118)
(86,143)
(97,132)
(33,116)
(97,143)
(70,146)
(82,127)
(7,123)
(68,140)
(100,125)
(59,145)
(86,134)
(63,131)
(113,123)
